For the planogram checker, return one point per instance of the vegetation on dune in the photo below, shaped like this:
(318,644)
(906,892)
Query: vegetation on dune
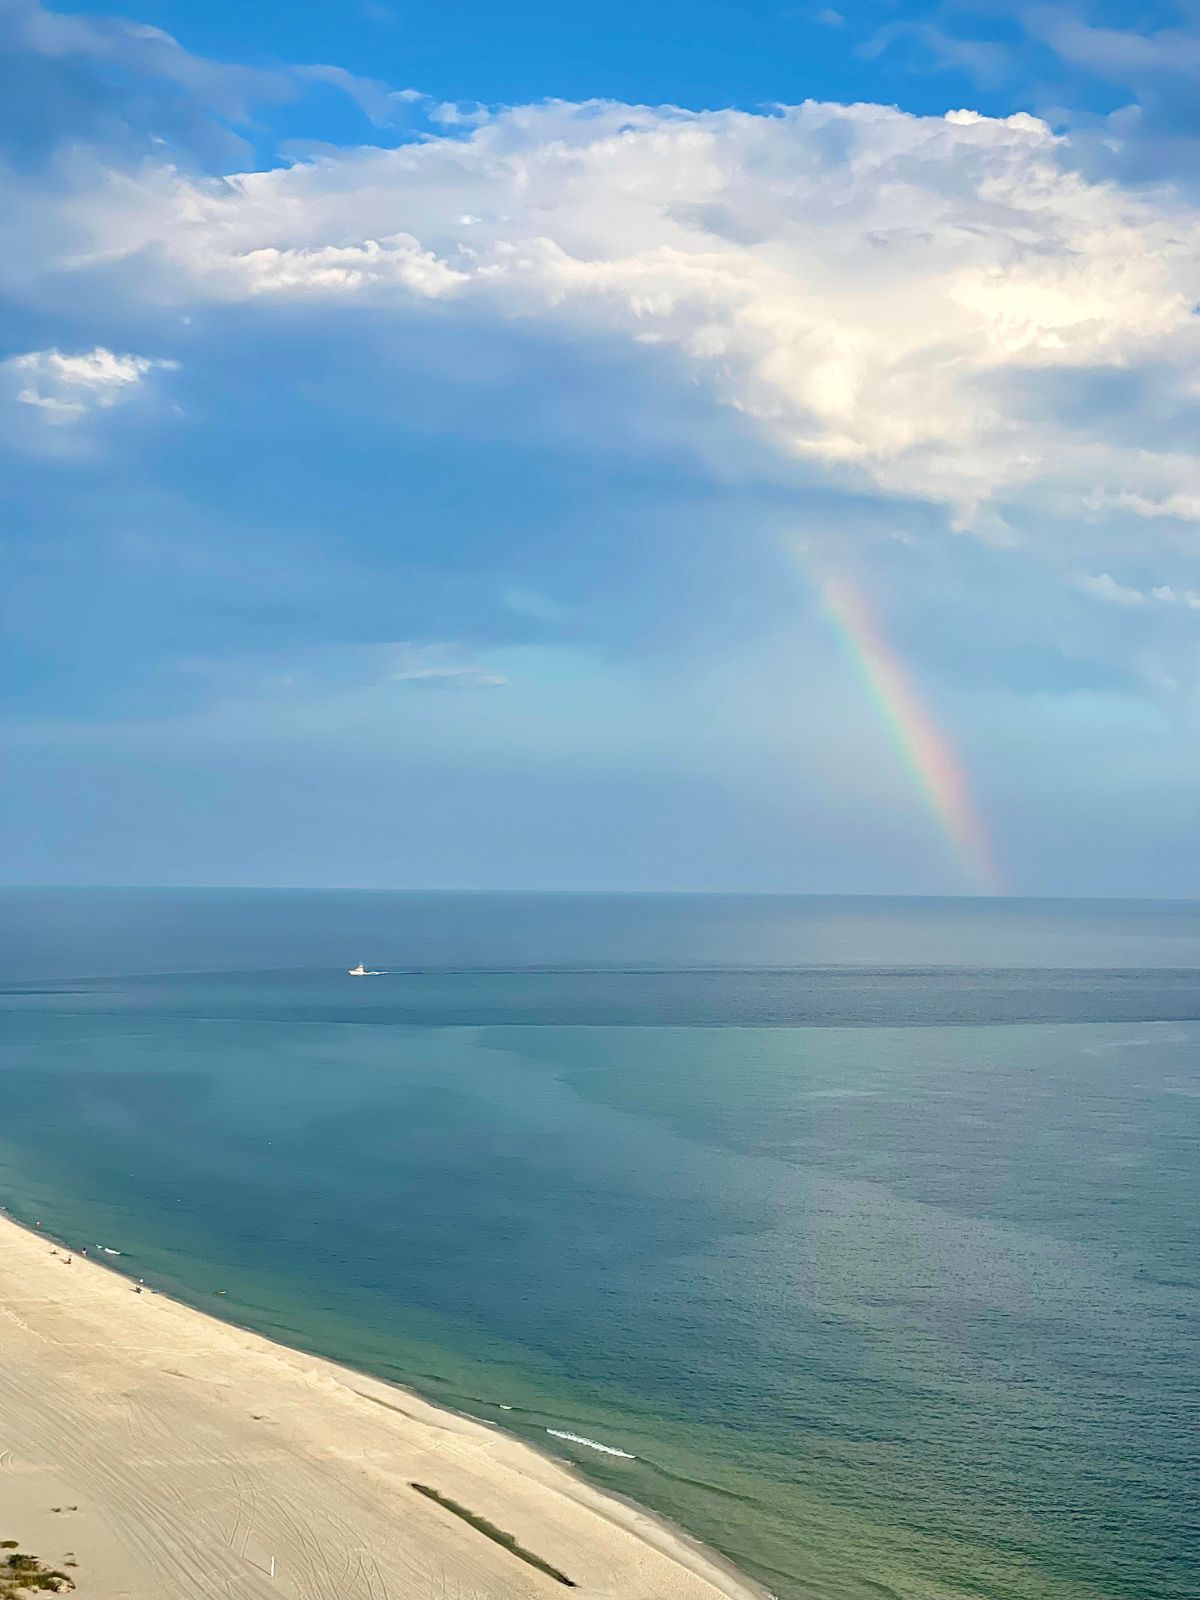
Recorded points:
(21,1573)
(498,1535)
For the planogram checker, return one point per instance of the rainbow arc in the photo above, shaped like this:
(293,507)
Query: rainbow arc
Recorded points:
(926,750)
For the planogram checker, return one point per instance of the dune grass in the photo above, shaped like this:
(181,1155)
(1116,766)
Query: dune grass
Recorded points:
(20,1574)
(497,1535)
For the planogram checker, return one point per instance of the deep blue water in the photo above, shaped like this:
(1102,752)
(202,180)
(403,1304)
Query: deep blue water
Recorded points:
(868,1230)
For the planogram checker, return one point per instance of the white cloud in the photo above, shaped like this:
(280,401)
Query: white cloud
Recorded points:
(986,60)
(150,54)
(876,290)
(450,678)
(1180,507)
(397,262)
(1103,586)
(143,50)
(1113,53)
(433,666)
(1176,597)
(65,387)
(379,102)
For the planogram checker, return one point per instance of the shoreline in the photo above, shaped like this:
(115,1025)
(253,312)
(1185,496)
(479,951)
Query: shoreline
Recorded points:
(174,1454)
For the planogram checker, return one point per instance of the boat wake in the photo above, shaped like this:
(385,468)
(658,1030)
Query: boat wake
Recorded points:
(592,1444)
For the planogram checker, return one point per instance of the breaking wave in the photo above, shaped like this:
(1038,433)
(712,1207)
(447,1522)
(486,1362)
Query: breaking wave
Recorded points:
(592,1444)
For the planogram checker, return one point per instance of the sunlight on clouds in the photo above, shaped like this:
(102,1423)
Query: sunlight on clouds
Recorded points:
(398,261)
(866,284)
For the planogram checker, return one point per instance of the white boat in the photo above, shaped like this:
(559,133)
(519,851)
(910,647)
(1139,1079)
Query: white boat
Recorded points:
(358,972)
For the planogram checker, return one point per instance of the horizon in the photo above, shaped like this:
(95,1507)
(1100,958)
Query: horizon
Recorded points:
(585,892)
(66,933)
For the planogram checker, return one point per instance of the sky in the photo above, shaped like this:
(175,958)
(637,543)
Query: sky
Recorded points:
(723,446)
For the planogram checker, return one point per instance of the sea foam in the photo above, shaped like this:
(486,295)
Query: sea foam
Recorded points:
(592,1444)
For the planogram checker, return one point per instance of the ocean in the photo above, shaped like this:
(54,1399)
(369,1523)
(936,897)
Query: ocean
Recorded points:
(859,1237)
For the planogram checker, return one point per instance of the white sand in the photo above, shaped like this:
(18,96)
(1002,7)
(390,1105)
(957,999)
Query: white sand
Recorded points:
(184,1453)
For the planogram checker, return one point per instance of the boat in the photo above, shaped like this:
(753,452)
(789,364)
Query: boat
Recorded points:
(358,972)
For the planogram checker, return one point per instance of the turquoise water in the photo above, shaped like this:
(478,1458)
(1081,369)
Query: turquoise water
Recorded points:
(883,1276)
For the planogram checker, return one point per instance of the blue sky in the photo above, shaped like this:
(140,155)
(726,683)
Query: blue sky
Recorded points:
(428,433)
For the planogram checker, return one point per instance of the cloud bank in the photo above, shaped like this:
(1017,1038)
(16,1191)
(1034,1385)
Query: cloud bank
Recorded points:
(901,300)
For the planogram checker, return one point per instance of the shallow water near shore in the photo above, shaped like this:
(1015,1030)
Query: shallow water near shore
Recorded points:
(881,1278)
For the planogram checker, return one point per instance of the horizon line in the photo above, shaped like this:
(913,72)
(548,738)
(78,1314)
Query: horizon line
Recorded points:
(619,893)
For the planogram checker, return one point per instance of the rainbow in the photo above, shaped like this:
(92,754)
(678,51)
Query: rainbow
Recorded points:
(926,750)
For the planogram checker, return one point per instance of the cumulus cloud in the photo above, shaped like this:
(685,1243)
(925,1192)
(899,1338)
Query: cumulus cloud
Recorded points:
(918,306)
(64,388)
(1178,507)
(397,262)
(1103,586)
(877,291)
(1167,595)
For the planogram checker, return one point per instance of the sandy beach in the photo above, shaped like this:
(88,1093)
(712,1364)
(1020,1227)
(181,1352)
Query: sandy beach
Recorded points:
(172,1456)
